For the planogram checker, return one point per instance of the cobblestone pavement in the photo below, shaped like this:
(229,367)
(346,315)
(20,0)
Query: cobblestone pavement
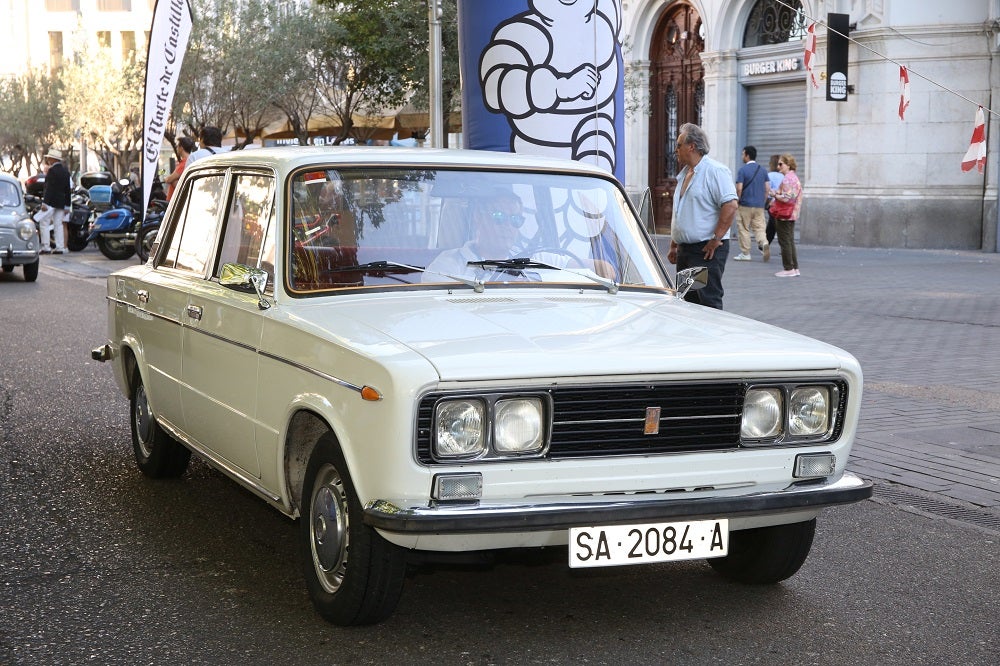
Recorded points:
(925,325)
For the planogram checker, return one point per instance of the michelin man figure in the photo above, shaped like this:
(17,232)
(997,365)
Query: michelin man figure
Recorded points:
(554,72)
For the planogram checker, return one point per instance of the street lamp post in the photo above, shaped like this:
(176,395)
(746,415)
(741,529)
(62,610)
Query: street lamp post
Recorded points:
(436,117)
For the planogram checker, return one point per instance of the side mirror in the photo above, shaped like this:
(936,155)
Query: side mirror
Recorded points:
(695,278)
(244,278)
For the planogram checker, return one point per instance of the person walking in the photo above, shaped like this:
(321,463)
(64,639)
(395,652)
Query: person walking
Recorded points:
(773,181)
(705,205)
(185,146)
(751,186)
(56,201)
(786,207)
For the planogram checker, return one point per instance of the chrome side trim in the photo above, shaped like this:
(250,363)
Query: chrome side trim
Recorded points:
(319,373)
(486,518)
(280,359)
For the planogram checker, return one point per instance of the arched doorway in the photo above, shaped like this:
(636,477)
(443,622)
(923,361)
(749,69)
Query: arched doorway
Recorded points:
(677,94)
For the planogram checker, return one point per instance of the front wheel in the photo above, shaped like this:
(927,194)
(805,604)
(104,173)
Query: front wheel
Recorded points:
(158,455)
(353,575)
(766,555)
(115,248)
(144,242)
(77,240)
(31,271)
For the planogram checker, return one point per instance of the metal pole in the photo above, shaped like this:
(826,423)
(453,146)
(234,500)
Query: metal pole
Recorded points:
(436,116)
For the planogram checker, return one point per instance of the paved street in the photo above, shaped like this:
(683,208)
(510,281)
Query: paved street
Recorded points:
(101,565)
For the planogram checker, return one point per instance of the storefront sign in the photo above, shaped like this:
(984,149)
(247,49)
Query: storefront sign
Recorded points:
(763,67)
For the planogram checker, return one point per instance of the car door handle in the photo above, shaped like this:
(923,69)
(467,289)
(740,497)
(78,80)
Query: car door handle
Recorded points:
(194,311)
(143,296)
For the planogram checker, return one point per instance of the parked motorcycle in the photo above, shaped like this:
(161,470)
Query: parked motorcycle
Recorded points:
(78,222)
(115,231)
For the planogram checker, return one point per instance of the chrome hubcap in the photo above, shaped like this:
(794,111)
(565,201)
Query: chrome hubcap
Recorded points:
(143,421)
(328,528)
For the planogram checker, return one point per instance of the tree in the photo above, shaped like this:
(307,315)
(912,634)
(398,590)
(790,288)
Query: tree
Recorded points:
(105,104)
(30,121)
(365,65)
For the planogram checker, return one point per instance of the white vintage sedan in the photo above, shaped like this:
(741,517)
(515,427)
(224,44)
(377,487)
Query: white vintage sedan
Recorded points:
(426,353)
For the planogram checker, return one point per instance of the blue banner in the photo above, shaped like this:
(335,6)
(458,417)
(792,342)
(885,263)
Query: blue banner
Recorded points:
(544,77)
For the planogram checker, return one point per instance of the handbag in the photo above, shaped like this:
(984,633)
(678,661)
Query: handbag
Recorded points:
(782,210)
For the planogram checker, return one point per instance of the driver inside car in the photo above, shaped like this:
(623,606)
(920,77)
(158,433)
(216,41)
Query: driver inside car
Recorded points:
(496,224)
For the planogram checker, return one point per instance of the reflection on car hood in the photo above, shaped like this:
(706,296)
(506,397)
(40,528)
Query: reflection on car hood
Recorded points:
(9,217)
(503,334)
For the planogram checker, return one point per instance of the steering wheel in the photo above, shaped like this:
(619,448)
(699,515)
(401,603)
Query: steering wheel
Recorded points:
(562,252)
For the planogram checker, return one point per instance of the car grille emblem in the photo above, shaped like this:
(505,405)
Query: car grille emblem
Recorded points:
(652,426)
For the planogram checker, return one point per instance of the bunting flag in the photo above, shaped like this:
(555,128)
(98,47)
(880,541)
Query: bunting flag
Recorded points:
(168,39)
(976,155)
(904,91)
(811,53)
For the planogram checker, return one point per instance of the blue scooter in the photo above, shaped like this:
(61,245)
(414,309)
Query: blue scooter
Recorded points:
(116,230)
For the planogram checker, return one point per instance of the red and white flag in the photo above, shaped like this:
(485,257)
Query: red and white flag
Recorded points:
(811,53)
(976,155)
(904,91)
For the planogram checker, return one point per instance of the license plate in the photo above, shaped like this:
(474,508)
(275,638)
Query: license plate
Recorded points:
(615,545)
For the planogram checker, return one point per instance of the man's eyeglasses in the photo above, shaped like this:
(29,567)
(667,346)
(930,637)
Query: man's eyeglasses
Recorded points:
(513,219)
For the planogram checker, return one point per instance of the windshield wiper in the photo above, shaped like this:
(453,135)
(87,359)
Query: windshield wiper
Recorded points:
(518,264)
(389,266)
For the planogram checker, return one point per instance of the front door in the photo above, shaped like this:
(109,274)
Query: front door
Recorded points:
(677,96)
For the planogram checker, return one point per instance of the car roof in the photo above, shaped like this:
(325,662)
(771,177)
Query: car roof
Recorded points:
(288,158)
(10,179)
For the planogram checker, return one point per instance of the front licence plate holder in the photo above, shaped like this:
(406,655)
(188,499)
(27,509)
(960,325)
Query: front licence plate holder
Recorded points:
(618,545)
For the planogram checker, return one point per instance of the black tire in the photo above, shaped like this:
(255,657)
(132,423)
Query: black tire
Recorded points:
(31,271)
(353,575)
(766,555)
(144,242)
(77,241)
(8,268)
(115,249)
(158,455)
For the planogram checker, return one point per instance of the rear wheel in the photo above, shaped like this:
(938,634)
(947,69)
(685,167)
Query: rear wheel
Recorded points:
(353,575)
(77,239)
(144,242)
(766,555)
(115,248)
(31,271)
(158,455)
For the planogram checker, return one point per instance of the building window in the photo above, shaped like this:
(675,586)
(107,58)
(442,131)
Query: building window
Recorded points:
(773,22)
(55,50)
(104,39)
(128,47)
(114,5)
(62,5)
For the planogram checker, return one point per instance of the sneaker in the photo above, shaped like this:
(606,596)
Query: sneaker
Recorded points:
(58,251)
(766,249)
(789,273)
(742,257)
(45,252)
(797,272)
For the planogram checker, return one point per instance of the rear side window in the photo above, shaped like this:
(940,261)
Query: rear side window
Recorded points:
(193,238)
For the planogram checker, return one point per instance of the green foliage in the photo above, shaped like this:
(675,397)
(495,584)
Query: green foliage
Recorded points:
(30,122)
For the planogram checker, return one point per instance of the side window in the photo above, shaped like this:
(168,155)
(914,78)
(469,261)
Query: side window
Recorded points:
(253,198)
(193,237)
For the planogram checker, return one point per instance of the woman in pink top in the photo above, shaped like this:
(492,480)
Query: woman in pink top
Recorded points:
(789,190)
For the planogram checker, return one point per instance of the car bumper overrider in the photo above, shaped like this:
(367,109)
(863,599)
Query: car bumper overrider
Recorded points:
(482,517)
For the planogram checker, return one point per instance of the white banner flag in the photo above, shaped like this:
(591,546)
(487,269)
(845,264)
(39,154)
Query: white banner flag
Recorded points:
(168,40)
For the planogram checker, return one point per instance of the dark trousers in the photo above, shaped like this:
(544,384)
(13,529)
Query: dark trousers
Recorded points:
(692,254)
(786,239)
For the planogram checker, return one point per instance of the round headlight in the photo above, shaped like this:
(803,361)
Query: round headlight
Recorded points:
(761,413)
(808,411)
(26,230)
(518,427)
(459,429)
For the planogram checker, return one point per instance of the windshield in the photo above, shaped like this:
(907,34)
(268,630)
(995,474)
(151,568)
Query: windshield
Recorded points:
(382,227)
(10,194)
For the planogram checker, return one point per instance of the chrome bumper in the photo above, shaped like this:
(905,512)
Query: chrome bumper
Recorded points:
(482,518)
(16,257)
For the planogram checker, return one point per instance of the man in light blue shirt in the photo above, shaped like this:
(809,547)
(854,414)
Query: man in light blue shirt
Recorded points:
(705,203)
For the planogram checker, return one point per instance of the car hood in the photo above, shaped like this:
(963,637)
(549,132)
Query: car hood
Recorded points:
(504,334)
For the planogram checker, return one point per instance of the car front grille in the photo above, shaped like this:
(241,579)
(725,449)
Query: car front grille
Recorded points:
(597,421)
